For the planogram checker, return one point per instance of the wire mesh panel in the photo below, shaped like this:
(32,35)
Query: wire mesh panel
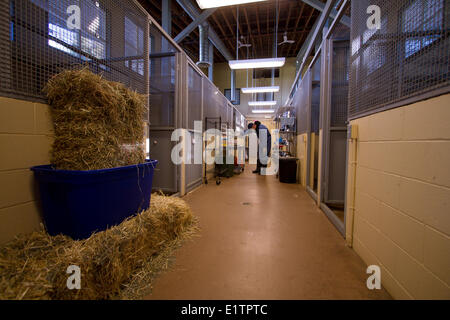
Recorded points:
(315,96)
(210,103)
(194,97)
(162,91)
(406,57)
(301,102)
(340,68)
(223,108)
(39,38)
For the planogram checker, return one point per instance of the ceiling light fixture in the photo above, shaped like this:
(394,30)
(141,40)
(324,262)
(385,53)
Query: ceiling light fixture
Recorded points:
(261,89)
(264,111)
(206,4)
(257,63)
(262,103)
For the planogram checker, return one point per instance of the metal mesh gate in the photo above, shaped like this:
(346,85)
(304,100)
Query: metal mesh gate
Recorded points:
(301,102)
(339,86)
(315,96)
(39,38)
(406,58)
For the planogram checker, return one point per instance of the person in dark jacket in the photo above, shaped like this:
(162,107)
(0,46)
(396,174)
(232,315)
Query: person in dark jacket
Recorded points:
(260,128)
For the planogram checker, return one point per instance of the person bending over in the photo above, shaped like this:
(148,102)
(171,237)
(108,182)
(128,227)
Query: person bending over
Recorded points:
(260,128)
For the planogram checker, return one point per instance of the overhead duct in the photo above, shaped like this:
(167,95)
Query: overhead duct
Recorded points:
(204,46)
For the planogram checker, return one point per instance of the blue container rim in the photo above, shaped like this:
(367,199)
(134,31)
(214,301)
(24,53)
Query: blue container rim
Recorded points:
(48,168)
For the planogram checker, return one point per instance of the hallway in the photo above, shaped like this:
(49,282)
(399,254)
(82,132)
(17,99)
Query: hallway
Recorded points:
(261,239)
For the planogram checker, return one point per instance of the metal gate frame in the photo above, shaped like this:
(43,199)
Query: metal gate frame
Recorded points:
(193,184)
(176,121)
(311,80)
(325,103)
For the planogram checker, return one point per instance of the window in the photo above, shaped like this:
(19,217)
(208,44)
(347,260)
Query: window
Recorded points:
(422,21)
(134,46)
(374,56)
(90,38)
(227,93)
(265,73)
(265,96)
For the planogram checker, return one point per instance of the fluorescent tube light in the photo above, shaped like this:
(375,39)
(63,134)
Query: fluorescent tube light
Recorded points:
(264,111)
(262,103)
(206,4)
(257,63)
(260,89)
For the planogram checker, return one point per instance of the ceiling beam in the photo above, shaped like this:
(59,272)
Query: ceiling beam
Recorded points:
(316,4)
(219,25)
(241,33)
(155,11)
(264,35)
(252,40)
(194,24)
(299,17)
(319,27)
(297,47)
(288,16)
(193,12)
(259,29)
(228,24)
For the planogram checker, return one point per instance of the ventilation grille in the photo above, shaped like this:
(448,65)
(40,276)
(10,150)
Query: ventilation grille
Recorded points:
(404,59)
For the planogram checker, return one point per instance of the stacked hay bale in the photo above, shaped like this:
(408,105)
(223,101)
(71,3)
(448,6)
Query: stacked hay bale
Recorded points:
(117,263)
(98,124)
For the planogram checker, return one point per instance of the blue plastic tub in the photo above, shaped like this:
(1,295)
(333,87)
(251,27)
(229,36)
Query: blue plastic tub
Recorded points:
(78,203)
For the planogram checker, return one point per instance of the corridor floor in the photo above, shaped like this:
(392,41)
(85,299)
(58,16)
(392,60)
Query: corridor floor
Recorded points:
(261,239)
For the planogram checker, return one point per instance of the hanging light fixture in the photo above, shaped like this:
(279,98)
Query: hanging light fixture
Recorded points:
(262,111)
(262,103)
(261,89)
(257,63)
(206,4)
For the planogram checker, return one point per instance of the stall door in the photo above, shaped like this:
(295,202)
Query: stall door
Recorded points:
(194,113)
(335,132)
(163,120)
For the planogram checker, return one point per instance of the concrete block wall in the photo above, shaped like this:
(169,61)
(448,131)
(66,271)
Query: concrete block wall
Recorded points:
(402,198)
(25,139)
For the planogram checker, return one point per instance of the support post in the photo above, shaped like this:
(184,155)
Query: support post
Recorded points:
(166,16)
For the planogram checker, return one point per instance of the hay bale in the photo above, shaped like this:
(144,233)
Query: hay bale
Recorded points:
(124,258)
(98,124)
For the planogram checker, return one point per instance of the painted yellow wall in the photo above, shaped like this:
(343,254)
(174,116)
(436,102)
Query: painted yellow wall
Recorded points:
(402,203)
(302,145)
(222,79)
(25,141)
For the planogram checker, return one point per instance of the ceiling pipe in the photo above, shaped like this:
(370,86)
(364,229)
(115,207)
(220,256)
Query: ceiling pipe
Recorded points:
(204,46)
(211,61)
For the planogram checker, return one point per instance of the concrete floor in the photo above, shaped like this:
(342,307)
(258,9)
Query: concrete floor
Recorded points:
(261,239)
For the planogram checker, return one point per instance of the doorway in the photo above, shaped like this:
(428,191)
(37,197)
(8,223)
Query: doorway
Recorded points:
(314,130)
(334,122)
